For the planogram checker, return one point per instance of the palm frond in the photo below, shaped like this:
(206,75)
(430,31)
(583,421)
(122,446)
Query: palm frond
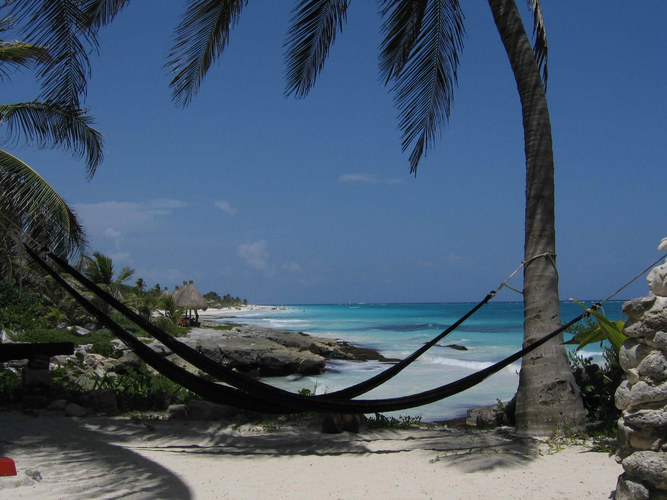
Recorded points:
(51,125)
(102,12)
(62,26)
(6,23)
(313,30)
(425,77)
(14,55)
(401,28)
(200,38)
(30,206)
(541,47)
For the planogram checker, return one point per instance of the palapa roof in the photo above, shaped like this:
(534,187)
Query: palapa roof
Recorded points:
(189,297)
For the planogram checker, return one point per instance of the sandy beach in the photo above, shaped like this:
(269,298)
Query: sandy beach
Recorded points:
(114,457)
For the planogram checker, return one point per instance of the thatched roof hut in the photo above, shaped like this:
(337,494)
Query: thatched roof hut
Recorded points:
(188,296)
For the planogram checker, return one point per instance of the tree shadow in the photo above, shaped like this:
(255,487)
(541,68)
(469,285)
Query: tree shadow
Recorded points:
(101,457)
(77,462)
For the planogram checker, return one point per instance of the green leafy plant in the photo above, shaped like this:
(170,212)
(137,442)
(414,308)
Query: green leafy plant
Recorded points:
(597,385)
(10,386)
(21,310)
(606,330)
(380,421)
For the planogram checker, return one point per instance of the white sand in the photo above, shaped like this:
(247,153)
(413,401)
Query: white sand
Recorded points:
(237,310)
(102,457)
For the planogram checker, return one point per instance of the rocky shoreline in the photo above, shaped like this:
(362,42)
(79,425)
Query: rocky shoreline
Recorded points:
(268,352)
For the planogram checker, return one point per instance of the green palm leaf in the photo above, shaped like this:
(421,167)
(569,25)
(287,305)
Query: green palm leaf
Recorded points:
(313,30)
(425,75)
(401,27)
(607,330)
(102,12)
(51,125)
(30,205)
(541,47)
(17,54)
(62,26)
(200,38)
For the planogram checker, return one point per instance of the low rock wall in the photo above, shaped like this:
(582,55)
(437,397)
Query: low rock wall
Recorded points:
(642,397)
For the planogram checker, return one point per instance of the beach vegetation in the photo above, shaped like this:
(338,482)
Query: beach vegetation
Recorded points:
(135,388)
(380,421)
(10,385)
(21,310)
(603,329)
(597,384)
(214,300)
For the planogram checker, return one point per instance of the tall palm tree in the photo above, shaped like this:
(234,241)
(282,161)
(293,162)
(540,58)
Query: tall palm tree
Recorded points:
(419,58)
(99,269)
(29,205)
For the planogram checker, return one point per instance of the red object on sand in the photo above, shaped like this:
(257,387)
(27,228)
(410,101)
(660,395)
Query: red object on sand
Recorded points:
(7,467)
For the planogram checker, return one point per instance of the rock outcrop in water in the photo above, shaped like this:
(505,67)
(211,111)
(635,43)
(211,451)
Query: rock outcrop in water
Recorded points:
(270,352)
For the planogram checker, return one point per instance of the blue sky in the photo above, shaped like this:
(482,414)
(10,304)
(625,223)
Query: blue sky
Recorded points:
(280,200)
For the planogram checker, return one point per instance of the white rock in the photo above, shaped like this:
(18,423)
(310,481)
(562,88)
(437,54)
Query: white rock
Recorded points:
(657,280)
(663,245)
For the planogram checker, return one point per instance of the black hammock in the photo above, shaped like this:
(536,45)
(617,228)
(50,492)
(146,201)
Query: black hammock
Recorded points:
(237,379)
(279,401)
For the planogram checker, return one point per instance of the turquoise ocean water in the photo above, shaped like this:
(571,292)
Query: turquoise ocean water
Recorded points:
(396,330)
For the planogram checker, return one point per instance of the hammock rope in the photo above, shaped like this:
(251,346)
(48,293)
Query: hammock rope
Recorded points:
(287,402)
(241,381)
(290,402)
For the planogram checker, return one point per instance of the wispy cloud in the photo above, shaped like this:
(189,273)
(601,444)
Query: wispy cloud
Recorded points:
(113,219)
(255,254)
(114,235)
(226,207)
(368,179)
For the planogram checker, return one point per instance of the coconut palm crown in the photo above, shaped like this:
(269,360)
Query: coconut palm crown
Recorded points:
(29,207)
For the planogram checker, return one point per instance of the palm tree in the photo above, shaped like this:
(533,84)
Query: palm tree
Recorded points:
(99,269)
(29,206)
(419,58)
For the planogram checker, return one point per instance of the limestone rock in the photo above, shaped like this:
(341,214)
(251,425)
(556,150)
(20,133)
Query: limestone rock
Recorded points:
(205,410)
(632,353)
(659,340)
(635,308)
(657,280)
(647,418)
(102,400)
(653,367)
(648,466)
(75,410)
(638,394)
(630,490)
(492,415)
(33,474)
(79,331)
(332,424)
(176,411)
(57,405)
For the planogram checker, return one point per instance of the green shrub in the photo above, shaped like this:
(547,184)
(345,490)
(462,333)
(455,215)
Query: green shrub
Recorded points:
(598,385)
(10,386)
(168,326)
(100,339)
(402,422)
(21,311)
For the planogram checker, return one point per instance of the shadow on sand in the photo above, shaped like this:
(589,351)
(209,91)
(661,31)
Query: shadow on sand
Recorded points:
(104,457)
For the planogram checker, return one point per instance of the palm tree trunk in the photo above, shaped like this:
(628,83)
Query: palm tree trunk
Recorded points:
(548,398)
